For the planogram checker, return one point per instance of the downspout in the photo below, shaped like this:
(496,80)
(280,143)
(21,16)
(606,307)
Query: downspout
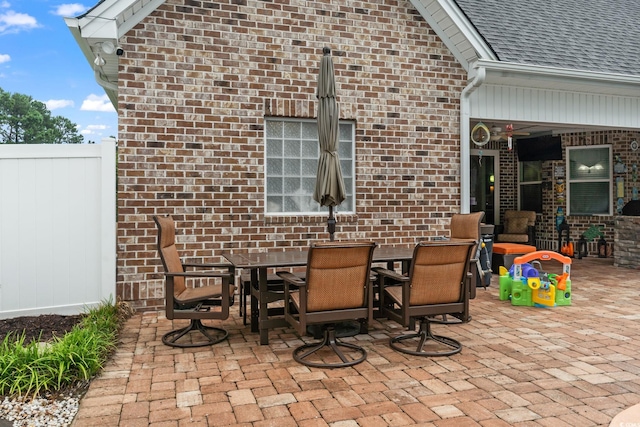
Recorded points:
(465,139)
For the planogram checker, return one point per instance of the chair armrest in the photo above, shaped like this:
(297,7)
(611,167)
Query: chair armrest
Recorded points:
(531,232)
(390,274)
(291,278)
(472,278)
(213,265)
(200,274)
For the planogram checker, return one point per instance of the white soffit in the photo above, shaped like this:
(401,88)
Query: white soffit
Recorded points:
(579,99)
(112,19)
(455,30)
(109,20)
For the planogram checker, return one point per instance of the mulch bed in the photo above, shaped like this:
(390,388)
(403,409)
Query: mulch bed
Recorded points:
(41,328)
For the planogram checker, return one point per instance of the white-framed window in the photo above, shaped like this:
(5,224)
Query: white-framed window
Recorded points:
(530,186)
(292,163)
(589,179)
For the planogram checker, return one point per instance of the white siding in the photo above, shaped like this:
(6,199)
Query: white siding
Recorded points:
(57,227)
(555,106)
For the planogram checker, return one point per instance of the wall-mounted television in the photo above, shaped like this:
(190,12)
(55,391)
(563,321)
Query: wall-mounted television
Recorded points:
(546,147)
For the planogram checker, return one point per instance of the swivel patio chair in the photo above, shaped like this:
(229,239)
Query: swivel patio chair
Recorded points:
(466,227)
(438,284)
(210,300)
(336,287)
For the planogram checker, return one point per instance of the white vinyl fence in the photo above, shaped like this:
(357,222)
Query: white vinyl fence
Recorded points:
(57,227)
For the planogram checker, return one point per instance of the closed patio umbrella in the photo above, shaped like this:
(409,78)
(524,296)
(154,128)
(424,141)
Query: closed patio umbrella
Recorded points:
(329,182)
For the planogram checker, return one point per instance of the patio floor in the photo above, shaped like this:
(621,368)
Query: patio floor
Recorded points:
(576,365)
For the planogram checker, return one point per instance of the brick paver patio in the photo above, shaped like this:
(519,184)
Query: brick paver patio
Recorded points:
(520,366)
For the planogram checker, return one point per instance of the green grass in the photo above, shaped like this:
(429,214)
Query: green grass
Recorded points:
(28,369)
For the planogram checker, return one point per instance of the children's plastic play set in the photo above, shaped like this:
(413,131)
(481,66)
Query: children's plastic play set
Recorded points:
(525,283)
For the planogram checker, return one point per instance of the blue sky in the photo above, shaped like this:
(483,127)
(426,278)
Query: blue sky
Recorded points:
(40,58)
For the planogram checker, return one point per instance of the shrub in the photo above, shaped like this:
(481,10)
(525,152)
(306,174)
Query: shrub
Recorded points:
(32,368)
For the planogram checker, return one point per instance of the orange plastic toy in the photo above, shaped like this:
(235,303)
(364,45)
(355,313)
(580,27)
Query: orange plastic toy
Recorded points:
(567,249)
(562,281)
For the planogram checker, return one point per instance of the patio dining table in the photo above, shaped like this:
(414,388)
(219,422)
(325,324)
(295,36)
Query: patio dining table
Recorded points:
(259,262)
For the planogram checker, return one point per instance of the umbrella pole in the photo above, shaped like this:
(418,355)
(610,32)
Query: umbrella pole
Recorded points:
(331,223)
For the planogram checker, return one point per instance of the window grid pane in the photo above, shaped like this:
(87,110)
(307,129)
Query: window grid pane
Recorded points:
(530,171)
(309,130)
(530,188)
(589,198)
(589,180)
(309,167)
(531,197)
(587,164)
(292,163)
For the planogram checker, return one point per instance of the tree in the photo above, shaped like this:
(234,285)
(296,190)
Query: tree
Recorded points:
(24,120)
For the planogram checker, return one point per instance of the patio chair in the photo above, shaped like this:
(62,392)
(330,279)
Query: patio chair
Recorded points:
(437,284)
(336,287)
(466,227)
(518,227)
(210,300)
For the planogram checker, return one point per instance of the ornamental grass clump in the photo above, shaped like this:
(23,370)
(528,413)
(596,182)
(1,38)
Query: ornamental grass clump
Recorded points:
(29,369)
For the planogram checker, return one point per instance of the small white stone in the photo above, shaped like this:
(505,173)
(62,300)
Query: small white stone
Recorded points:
(40,412)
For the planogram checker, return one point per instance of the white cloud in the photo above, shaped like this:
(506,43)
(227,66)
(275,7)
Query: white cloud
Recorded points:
(4,4)
(12,22)
(97,103)
(70,9)
(94,130)
(54,104)
(4,58)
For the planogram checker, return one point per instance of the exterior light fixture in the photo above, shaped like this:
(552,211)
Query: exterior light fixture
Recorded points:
(99,61)
(108,47)
(588,169)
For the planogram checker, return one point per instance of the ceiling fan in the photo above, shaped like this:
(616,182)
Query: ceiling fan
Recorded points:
(482,134)
(499,134)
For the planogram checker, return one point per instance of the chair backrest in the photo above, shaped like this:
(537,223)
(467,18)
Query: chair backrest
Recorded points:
(466,226)
(438,272)
(168,251)
(529,215)
(338,275)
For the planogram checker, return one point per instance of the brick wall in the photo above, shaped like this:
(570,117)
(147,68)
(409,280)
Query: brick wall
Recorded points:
(200,76)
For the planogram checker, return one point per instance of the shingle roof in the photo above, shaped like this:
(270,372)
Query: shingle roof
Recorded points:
(592,35)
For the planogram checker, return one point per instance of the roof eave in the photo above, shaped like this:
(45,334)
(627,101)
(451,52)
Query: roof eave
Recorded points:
(108,20)
(109,87)
(459,34)
(483,50)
